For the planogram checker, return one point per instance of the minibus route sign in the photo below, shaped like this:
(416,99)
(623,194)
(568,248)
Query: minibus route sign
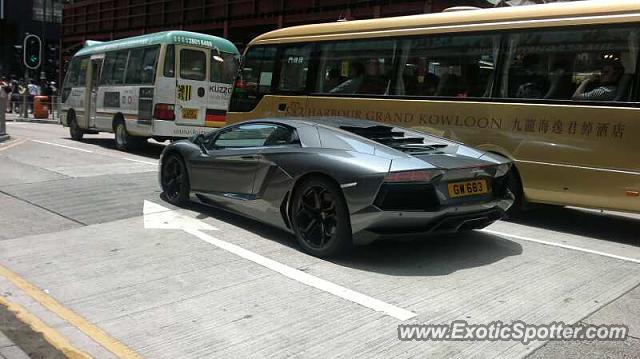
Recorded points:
(185,40)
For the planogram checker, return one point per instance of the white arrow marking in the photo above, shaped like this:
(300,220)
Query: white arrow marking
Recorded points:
(157,216)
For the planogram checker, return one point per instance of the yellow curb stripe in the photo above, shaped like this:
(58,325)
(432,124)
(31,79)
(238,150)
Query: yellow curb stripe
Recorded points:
(50,335)
(98,335)
(12,144)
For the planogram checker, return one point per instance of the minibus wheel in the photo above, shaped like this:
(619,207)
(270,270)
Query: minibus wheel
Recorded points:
(124,141)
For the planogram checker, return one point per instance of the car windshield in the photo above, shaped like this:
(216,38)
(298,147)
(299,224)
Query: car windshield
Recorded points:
(395,137)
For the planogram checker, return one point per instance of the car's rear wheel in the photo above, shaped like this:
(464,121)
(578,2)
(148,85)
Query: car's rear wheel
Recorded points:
(175,180)
(320,218)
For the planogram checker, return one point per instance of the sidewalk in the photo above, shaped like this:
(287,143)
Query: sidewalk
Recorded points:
(12,117)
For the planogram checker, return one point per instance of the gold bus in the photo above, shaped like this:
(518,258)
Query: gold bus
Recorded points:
(553,87)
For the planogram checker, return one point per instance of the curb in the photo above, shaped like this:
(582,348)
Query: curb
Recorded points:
(21,119)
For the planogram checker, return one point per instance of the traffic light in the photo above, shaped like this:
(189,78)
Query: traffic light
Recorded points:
(18,51)
(50,62)
(32,51)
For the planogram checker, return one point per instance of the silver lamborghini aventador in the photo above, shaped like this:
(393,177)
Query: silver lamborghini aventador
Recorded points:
(336,182)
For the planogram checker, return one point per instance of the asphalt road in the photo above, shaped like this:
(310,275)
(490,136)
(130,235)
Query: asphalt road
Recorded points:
(112,277)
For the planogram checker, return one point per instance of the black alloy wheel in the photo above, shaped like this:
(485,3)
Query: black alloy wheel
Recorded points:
(321,218)
(175,180)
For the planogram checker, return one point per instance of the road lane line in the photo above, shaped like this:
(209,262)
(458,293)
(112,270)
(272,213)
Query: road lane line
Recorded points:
(307,279)
(159,217)
(139,161)
(63,146)
(92,331)
(566,246)
(49,334)
(12,144)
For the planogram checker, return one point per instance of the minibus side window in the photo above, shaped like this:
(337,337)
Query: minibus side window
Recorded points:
(294,66)
(356,67)
(224,67)
(447,66)
(170,61)
(71,79)
(141,69)
(114,67)
(588,64)
(254,79)
(82,71)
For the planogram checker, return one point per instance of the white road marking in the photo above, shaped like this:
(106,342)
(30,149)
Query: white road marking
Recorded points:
(63,146)
(156,216)
(566,246)
(140,161)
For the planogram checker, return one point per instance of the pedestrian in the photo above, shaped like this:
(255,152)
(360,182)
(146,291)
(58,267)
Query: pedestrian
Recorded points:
(34,90)
(6,86)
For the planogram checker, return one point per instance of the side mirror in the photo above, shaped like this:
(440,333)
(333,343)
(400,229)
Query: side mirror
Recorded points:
(199,140)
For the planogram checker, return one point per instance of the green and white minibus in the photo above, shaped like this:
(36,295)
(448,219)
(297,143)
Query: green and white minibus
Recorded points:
(164,85)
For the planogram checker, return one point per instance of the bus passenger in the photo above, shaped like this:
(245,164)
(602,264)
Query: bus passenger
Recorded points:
(532,83)
(607,81)
(352,85)
(333,79)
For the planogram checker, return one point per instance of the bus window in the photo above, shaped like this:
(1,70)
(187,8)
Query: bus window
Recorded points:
(595,64)
(114,67)
(82,71)
(224,71)
(141,69)
(451,66)
(254,79)
(193,65)
(170,61)
(72,73)
(356,67)
(294,66)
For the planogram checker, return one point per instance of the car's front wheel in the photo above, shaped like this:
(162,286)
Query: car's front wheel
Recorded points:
(320,218)
(175,180)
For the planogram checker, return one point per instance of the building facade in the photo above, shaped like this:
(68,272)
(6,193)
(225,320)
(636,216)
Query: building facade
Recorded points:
(237,20)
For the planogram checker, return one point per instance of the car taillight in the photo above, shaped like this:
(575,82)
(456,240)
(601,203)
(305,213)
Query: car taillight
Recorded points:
(412,176)
(164,111)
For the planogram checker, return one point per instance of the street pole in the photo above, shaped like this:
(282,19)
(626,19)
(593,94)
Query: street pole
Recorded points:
(3,112)
(43,76)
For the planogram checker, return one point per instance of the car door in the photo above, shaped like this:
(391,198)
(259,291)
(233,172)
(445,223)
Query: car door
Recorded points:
(232,159)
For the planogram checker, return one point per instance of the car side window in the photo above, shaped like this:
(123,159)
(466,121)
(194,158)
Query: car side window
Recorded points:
(255,135)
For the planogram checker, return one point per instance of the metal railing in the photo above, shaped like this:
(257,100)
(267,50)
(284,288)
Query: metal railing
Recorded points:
(23,106)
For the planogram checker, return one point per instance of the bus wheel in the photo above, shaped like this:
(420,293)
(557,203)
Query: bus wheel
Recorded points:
(75,131)
(124,141)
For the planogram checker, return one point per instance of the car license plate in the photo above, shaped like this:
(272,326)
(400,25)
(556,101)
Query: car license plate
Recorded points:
(468,188)
(189,114)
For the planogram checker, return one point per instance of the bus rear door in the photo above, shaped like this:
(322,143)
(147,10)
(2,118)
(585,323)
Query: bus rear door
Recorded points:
(191,86)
